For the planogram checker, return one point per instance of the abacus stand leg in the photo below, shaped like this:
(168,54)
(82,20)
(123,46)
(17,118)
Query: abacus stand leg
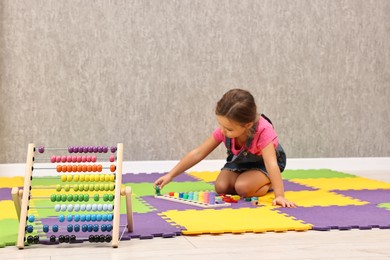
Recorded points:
(16,200)
(26,187)
(129,209)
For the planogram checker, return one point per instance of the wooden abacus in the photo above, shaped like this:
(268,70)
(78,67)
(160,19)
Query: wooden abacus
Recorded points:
(75,167)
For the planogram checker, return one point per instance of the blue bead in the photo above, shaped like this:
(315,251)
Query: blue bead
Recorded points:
(104,217)
(76,228)
(109,217)
(31,218)
(109,227)
(103,227)
(69,228)
(61,218)
(96,227)
(98,217)
(82,218)
(90,228)
(45,228)
(93,217)
(77,218)
(30,229)
(55,228)
(69,218)
(88,217)
(84,228)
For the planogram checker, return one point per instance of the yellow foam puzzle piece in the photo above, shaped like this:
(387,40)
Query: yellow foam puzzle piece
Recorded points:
(358,183)
(10,182)
(313,198)
(7,210)
(210,221)
(205,175)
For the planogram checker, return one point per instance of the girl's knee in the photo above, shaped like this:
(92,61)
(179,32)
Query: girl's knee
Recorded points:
(219,188)
(242,190)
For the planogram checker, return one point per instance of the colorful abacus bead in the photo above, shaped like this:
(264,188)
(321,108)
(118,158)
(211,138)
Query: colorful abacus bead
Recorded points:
(41,149)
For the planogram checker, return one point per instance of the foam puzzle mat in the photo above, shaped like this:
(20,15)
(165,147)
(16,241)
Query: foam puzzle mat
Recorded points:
(326,200)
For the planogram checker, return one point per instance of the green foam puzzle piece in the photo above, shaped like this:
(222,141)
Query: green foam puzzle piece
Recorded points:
(314,174)
(384,206)
(138,205)
(9,232)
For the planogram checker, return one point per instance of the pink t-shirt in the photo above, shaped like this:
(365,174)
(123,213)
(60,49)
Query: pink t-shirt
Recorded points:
(264,135)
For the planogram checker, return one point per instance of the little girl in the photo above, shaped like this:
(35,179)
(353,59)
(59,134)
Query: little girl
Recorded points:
(255,158)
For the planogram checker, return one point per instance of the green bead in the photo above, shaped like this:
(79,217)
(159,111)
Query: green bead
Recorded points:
(96,197)
(53,198)
(81,198)
(110,197)
(58,197)
(63,197)
(86,197)
(105,197)
(58,187)
(75,197)
(70,197)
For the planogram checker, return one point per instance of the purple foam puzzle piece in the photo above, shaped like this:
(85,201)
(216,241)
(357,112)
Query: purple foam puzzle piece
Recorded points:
(149,225)
(292,186)
(5,194)
(372,196)
(341,217)
(152,177)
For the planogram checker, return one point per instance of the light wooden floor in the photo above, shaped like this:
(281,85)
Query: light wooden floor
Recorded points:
(352,244)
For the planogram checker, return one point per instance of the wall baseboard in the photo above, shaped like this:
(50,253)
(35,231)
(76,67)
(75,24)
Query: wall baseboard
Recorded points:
(338,164)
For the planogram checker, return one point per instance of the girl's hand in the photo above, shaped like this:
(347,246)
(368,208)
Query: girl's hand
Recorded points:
(162,181)
(282,201)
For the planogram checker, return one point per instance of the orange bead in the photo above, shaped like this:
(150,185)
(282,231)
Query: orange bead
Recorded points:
(79,168)
(94,168)
(69,168)
(59,168)
(64,168)
(112,167)
(84,168)
(74,168)
(99,168)
(89,168)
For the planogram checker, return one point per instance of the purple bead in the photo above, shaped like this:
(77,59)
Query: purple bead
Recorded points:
(95,149)
(113,149)
(105,149)
(75,149)
(70,149)
(81,149)
(90,149)
(41,149)
(100,149)
(85,149)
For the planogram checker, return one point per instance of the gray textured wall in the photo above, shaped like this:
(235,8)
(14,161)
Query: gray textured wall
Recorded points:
(148,73)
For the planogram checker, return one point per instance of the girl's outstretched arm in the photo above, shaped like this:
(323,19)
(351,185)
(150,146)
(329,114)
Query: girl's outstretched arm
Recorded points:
(188,161)
(271,164)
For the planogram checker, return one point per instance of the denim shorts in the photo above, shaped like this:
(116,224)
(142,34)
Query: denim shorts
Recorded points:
(246,166)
